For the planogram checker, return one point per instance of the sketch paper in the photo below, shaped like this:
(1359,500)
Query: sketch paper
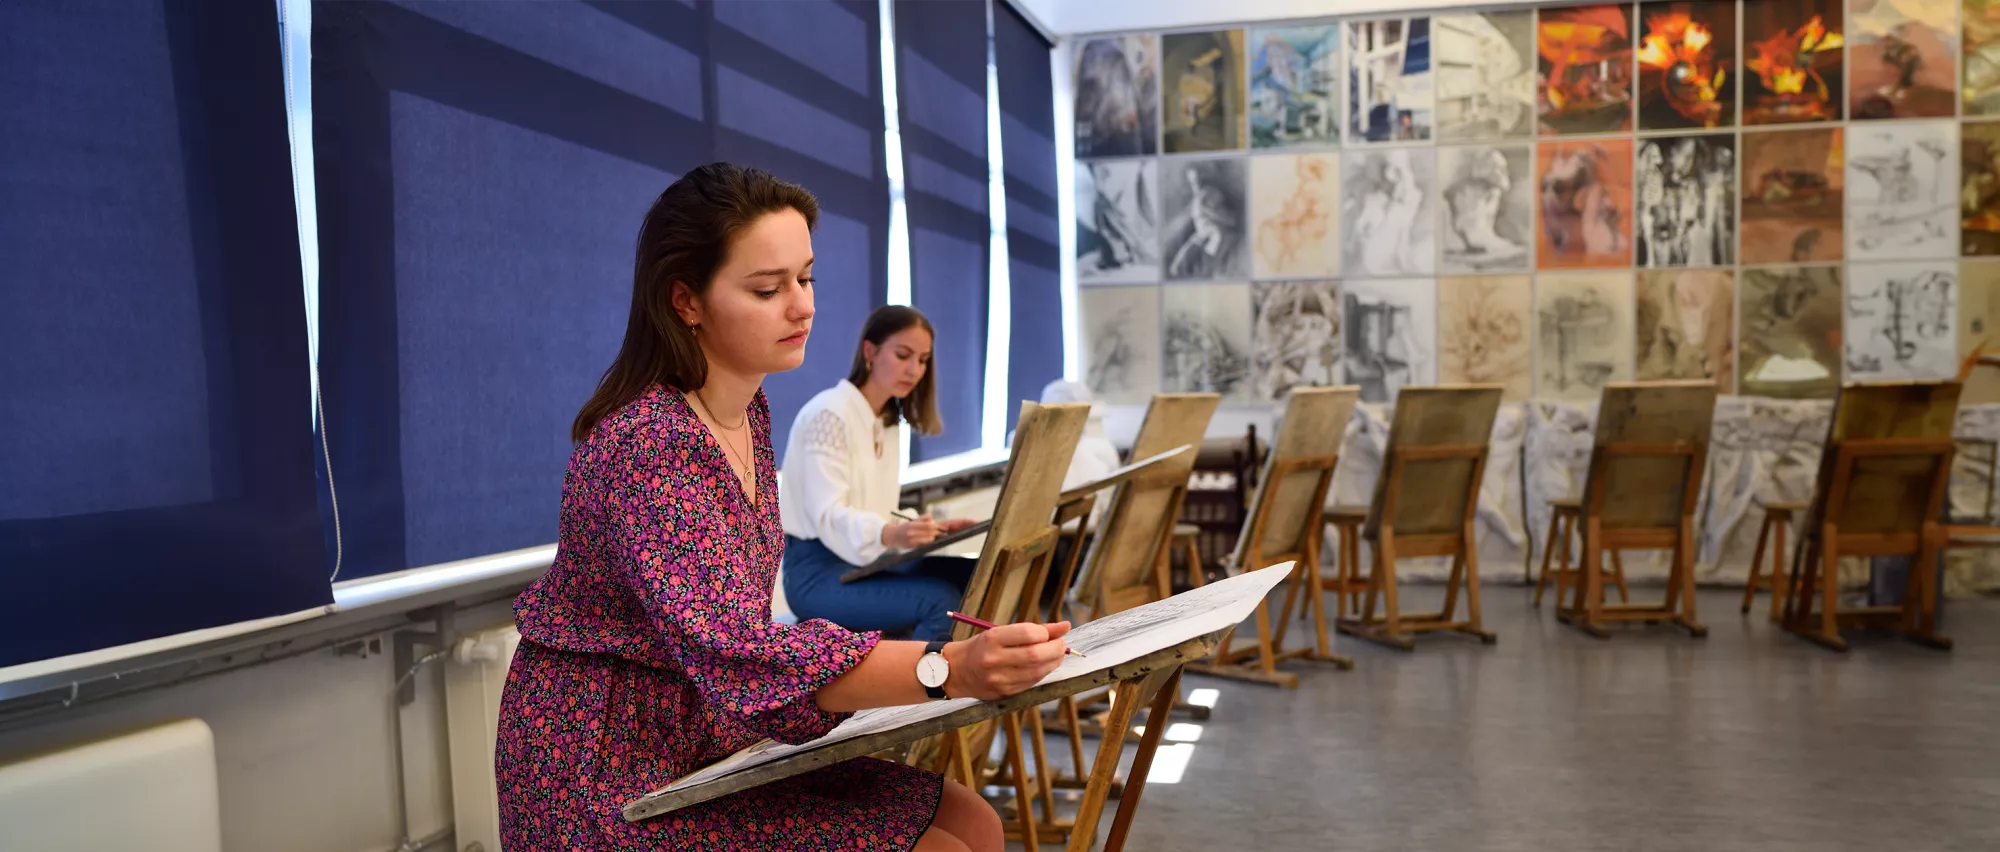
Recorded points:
(1792,52)
(1105,642)
(1687,64)
(1485,75)
(1979,189)
(1206,340)
(1901,322)
(1583,204)
(1981,89)
(1489,208)
(1686,201)
(1295,210)
(1900,59)
(1121,342)
(1584,61)
(1794,188)
(1386,214)
(1388,327)
(1117,227)
(1205,214)
(1686,326)
(1117,96)
(1389,93)
(1902,180)
(1203,91)
(1584,324)
(1295,86)
(1788,329)
(1484,328)
(1295,337)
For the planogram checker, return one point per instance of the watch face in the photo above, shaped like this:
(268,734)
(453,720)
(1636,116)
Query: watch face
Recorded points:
(932,670)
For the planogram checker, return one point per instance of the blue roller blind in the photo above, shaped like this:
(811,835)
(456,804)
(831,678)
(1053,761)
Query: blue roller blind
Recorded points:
(941,98)
(482,170)
(1028,149)
(157,475)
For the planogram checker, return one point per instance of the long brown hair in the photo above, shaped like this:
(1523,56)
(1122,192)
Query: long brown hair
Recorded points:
(685,238)
(919,409)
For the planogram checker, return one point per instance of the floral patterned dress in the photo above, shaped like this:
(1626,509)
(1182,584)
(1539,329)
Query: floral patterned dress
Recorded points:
(648,651)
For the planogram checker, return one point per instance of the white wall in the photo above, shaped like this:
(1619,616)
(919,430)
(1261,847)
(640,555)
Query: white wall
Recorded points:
(303,747)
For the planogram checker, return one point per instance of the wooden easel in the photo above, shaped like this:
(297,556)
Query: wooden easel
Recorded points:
(1284,526)
(1425,501)
(1880,491)
(1644,479)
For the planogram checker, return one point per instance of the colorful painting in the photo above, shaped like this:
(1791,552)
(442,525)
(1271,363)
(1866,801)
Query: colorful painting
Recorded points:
(1389,95)
(1294,86)
(1687,64)
(1685,326)
(1584,69)
(1788,332)
(1117,97)
(1979,189)
(1792,61)
(1583,203)
(1981,89)
(1794,186)
(1202,95)
(1901,61)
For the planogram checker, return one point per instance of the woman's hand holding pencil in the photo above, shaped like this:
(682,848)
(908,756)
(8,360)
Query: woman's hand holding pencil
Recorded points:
(1005,660)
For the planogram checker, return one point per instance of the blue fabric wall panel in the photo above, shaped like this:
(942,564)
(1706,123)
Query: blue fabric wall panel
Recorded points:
(1027,134)
(941,66)
(501,294)
(176,363)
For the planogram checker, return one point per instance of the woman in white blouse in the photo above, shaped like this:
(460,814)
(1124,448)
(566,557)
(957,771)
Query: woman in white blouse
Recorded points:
(839,491)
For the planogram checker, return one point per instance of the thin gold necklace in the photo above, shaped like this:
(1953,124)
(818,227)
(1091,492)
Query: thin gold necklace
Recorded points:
(727,445)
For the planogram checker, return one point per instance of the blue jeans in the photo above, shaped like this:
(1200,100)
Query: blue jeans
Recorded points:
(915,596)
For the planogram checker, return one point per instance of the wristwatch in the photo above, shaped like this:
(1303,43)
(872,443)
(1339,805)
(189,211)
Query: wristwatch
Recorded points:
(933,669)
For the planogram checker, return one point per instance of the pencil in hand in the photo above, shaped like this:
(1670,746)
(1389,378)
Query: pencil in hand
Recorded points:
(983,624)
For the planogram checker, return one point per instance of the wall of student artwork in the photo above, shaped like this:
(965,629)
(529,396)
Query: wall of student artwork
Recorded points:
(1779,195)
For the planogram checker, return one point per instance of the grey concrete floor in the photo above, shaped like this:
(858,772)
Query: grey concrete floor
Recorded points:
(1749,739)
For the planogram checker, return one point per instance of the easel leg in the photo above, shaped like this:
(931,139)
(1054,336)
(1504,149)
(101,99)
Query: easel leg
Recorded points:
(1780,571)
(1317,600)
(1024,801)
(1590,582)
(1452,581)
(1074,722)
(1548,553)
(1618,573)
(1142,764)
(1750,585)
(1921,601)
(1117,723)
(1044,777)
(1475,624)
(1684,568)
(1830,579)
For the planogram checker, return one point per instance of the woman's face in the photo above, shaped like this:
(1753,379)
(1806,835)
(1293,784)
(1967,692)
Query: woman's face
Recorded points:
(758,312)
(900,361)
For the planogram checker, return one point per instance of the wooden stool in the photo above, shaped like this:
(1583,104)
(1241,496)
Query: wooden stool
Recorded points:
(1777,521)
(1348,583)
(1187,540)
(1563,516)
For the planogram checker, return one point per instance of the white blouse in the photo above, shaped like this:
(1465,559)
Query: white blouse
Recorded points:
(840,482)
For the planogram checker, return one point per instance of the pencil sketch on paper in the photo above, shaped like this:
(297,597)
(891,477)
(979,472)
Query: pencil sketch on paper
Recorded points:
(1295,206)
(1686,201)
(1117,234)
(1294,86)
(1203,74)
(1902,183)
(1121,334)
(1387,326)
(1483,335)
(1206,336)
(1900,61)
(1489,208)
(1794,185)
(1485,70)
(1389,96)
(1117,97)
(1385,212)
(1686,326)
(1584,322)
(1204,214)
(1584,203)
(1295,337)
(1793,52)
(1900,321)
(1584,66)
(1789,331)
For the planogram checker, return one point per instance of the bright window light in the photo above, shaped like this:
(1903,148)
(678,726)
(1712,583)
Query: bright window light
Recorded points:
(1170,763)
(1184,732)
(1203,697)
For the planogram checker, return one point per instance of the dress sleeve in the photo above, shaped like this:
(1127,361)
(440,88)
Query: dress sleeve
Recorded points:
(854,535)
(671,539)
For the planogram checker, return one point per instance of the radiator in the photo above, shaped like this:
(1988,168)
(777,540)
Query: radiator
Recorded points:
(472,681)
(153,790)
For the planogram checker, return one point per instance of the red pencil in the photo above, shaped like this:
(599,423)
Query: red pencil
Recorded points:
(983,624)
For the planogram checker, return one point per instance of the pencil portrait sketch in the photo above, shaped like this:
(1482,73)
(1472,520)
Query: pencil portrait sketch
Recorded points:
(1386,212)
(1205,214)
(1117,231)
(1489,208)
(1295,337)
(1121,342)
